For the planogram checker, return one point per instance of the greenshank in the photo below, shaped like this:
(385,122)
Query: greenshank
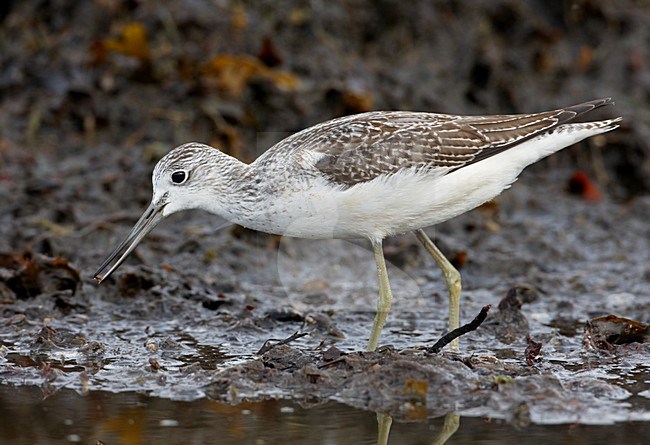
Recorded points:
(369,175)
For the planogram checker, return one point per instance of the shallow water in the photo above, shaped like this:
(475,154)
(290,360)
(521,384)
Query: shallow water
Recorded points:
(133,419)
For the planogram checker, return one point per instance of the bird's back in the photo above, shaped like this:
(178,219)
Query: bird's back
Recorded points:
(380,173)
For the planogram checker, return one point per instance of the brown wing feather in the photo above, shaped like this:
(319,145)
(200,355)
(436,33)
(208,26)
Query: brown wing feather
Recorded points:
(357,149)
(543,122)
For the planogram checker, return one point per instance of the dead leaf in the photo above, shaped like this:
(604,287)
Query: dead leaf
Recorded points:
(585,58)
(416,388)
(580,184)
(132,42)
(233,73)
(358,101)
(239,18)
(532,350)
(609,330)
(268,54)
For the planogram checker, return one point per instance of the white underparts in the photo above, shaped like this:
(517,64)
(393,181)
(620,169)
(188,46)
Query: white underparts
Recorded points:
(409,199)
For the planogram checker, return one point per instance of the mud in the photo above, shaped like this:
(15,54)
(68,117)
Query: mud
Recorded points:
(172,329)
(87,112)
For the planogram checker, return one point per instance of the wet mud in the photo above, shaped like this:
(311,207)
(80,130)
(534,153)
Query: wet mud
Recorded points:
(170,328)
(563,256)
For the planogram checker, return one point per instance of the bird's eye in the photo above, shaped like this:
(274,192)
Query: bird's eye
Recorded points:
(179,177)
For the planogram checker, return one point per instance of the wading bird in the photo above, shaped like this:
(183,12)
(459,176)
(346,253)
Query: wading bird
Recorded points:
(369,175)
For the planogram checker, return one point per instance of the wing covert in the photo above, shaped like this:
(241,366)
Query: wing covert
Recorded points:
(359,150)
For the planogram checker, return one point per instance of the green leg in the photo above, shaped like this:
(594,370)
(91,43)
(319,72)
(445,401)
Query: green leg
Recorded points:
(449,428)
(384,422)
(385,296)
(383,307)
(452,278)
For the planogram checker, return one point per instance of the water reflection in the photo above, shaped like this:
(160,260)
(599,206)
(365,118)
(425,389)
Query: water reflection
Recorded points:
(449,427)
(134,419)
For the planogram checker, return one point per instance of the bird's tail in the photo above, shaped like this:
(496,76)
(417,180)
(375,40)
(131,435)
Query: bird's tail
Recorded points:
(590,128)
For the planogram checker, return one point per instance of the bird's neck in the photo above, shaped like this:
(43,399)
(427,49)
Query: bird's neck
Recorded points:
(234,194)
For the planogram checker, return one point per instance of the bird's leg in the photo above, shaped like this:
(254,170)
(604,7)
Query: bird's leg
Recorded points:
(449,428)
(385,296)
(452,278)
(384,421)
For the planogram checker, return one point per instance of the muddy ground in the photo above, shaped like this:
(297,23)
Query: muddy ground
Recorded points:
(94,93)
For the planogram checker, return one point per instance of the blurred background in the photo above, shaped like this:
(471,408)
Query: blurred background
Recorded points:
(93,93)
(89,85)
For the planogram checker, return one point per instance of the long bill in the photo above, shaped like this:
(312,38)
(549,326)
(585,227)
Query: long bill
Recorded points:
(150,219)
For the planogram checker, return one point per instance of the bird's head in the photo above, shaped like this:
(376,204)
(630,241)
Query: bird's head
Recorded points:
(177,185)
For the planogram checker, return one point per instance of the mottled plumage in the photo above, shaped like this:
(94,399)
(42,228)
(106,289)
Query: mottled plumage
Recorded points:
(359,148)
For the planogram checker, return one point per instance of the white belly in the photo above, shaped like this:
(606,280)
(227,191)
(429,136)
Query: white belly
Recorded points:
(405,201)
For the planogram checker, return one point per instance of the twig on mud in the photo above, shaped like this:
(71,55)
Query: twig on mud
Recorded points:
(266,347)
(333,362)
(464,329)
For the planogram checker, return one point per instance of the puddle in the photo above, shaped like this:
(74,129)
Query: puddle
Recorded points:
(135,419)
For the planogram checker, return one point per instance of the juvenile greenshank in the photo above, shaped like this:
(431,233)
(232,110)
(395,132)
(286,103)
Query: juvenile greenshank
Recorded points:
(369,175)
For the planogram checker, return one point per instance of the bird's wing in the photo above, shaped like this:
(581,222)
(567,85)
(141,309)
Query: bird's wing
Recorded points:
(357,149)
